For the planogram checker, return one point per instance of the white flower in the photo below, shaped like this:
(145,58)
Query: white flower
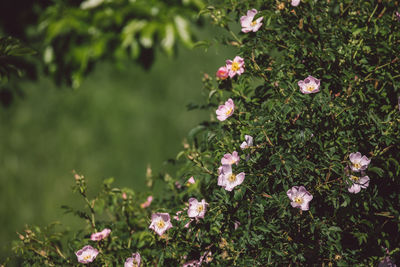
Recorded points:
(197,209)
(160,222)
(227,179)
(358,183)
(300,197)
(248,23)
(248,143)
(358,162)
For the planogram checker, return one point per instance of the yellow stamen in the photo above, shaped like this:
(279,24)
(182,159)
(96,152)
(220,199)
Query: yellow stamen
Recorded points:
(310,88)
(200,208)
(253,23)
(357,165)
(235,66)
(228,112)
(298,200)
(354,178)
(160,224)
(232,178)
(86,257)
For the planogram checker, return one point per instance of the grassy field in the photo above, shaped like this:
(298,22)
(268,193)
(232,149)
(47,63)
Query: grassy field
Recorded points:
(114,125)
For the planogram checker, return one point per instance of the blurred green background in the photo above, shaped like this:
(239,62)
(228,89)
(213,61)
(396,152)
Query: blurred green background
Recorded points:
(113,126)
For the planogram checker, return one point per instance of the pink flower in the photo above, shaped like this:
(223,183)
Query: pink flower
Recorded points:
(192,263)
(247,22)
(236,224)
(160,222)
(178,213)
(100,235)
(87,254)
(197,209)
(223,73)
(248,143)
(295,2)
(188,223)
(300,197)
(190,181)
(398,15)
(133,261)
(147,203)
(309,85)
(235,67)
(207,257)
(225,111)
(358,183)
(230,159)
(178,185)
(358,162)
(229,180)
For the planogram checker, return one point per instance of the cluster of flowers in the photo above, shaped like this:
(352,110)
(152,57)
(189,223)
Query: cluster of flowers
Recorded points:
(88,253)
(358,164)
(298,195)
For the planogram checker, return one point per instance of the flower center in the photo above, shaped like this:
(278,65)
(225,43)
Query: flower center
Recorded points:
(228,112)
(199,208)
(354,178)
(86,257)
(253,23)
(232,178)
(235,66)
(310,88)
(160,224)
(357,165)
(298,200)
(135,263)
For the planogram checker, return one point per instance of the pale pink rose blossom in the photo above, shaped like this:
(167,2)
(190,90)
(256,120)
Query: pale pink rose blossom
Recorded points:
(358,183)
(236,224)
(236,66)
(309,85)
(248,23)
(206,257)
(295,2)
(177,216)
(160,222)
(230,159)
(225,111)
(87,254)
(229,180)
(188,223)
(223,73)
(124,196)
(147,203)
(178,185)
(398,15)
(133,261)
(248,143)
(100,235)
(192,263)
(358,162)
(197,209)
(299,197)
(190,181)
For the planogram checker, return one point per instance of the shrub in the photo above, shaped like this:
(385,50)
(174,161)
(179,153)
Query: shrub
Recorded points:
(300,168)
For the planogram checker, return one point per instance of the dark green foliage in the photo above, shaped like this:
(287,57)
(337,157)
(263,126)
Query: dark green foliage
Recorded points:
(353,47)
(11,61)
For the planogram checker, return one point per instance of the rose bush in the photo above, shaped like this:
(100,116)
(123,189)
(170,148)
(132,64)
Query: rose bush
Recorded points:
(292,195)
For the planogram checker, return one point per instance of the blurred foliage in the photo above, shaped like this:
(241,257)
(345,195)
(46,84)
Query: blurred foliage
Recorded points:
(76,36)
(353,47)
(11,50)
